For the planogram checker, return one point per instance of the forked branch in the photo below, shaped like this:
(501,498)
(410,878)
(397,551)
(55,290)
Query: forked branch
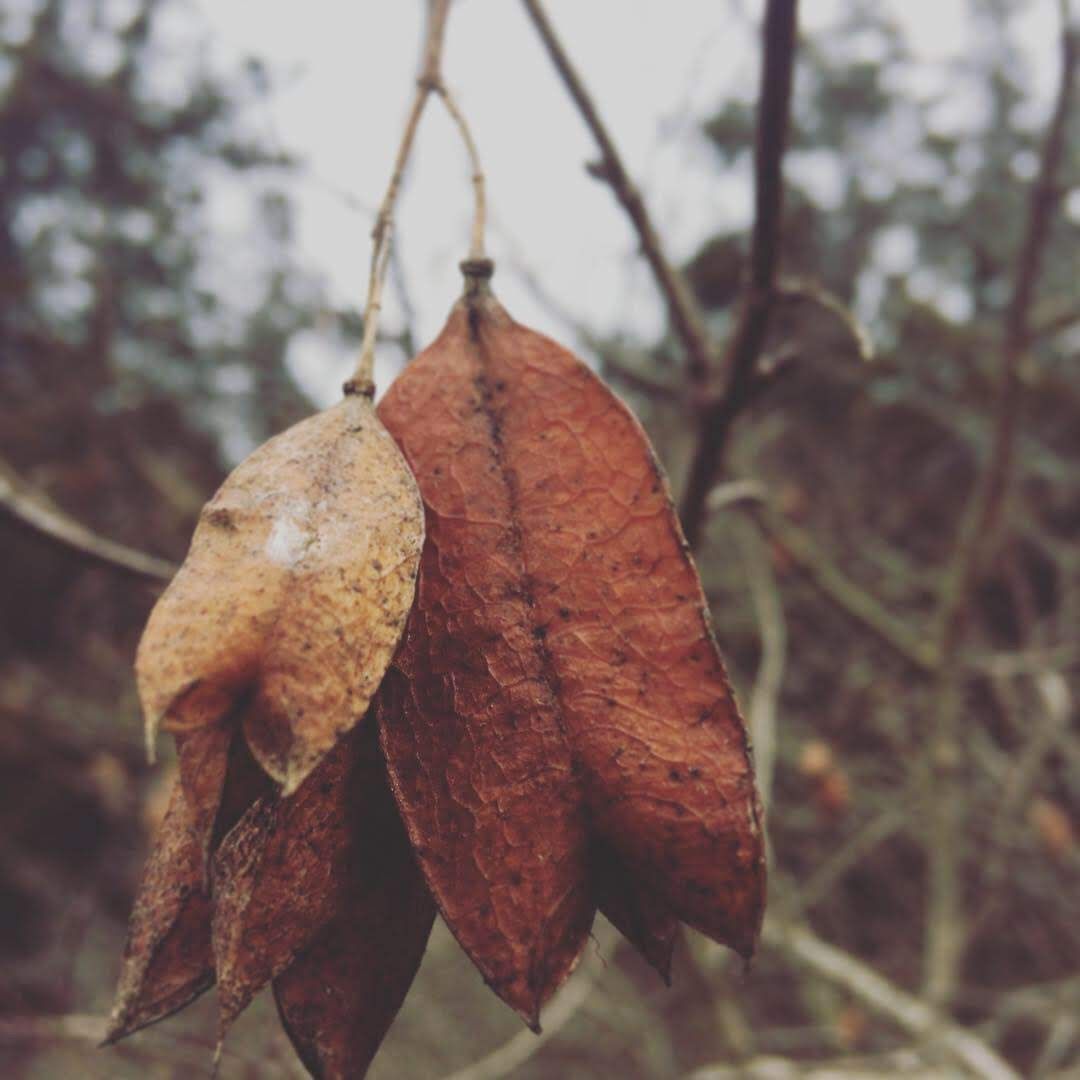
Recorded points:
(428,82)
(944,931)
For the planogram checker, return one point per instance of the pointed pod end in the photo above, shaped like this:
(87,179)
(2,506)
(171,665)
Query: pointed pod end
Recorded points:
(294,774)
(286,757)
(150,730)
(219,1049)
(116,1028)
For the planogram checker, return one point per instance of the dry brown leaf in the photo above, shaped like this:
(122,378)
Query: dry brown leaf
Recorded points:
(338,999)
(293,595)
(559,678)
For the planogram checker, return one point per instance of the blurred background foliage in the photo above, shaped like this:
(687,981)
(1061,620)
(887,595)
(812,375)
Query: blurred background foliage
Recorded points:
(130,380)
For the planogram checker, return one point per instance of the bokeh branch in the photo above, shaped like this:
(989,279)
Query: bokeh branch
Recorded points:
(31,512)
(944,929)
(877,993)
(683,309)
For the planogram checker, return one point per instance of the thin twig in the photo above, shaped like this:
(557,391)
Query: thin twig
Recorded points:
(80,1027)
(744,349)
(877,993)
(32,512)
(476,247)
(1048,730)
(944,929)
(683,310)
(428,82)
(407,337)
(736,492)
(90,1029)
(524,1045)
(814,292)
(845,594)
(772,630)
(828,874)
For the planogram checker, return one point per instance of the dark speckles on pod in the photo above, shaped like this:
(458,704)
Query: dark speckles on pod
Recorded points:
(580,725)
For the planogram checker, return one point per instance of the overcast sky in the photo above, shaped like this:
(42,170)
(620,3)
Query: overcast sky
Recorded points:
(344,72)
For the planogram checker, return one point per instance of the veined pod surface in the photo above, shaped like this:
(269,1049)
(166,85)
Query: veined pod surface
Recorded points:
(293,596)
(559,683)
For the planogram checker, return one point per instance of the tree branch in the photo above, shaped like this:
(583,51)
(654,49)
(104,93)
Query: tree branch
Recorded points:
(744,349)
(944,934)
(686,317)
(772,632)
(850,598)
(884,998)
(57,526)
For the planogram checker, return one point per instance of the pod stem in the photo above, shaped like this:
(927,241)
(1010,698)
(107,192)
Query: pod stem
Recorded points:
(428,82)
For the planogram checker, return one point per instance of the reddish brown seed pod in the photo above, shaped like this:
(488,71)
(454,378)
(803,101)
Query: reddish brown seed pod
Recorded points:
(279,877)
(339,997)
(559,681)
(635,909)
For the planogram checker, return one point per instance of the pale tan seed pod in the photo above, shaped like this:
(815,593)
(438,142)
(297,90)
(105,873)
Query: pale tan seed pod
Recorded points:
(292,598)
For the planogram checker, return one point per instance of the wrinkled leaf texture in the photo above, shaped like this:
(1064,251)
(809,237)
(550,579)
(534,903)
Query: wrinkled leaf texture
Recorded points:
(558,691)
(338,999)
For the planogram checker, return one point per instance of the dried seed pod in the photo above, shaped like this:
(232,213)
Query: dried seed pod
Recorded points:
(338,999)
(559,674)
(492,808)
(293,595)
(221,780)
(278,878)
(168,960)
(634,909)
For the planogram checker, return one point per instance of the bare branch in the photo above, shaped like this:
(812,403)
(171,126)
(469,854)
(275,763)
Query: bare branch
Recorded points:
(772,631)
(56,525)
(686,317)
(944,933)
(476,246)
(877,993)
(849,597)
(735,492)
(748,339)
(81,1027)
(815,293)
